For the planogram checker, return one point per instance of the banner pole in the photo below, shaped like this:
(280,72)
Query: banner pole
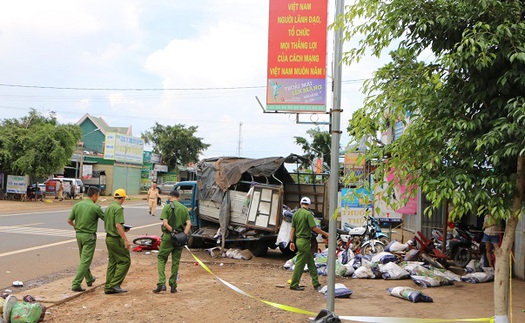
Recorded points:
(335,120)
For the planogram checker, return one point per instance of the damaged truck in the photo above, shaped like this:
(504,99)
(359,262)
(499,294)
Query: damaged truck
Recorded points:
(240,201)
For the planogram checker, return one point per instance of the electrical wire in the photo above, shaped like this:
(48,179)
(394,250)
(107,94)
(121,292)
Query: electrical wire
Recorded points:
(147,89)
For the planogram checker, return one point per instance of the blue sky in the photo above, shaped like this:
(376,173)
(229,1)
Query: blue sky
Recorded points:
(162,44)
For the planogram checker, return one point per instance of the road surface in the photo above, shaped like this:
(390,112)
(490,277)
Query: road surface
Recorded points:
(37,245)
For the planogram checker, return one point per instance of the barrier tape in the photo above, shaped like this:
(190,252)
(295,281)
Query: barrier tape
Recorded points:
(240,291)
(373,319)
(366,319)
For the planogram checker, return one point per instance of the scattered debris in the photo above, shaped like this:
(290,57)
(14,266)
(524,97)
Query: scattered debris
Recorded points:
(18,283)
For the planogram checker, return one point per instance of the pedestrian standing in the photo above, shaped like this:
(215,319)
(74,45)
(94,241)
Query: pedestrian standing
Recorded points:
(84,218)
(153,195)
(61,190)
(175,217)
(117,243)
(300,237)
(491,235)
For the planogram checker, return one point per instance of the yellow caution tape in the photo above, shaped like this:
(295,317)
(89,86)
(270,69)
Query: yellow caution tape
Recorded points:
(370,319)
(373,319)
(238,290)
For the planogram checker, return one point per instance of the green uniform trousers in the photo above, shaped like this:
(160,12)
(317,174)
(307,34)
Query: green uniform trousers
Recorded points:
(166,248)
(304,257)
(86,248)
(119,261)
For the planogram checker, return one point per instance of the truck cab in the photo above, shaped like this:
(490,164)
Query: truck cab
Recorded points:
(188,198)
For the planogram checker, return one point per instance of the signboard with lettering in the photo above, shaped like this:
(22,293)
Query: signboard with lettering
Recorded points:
(17,184)
(87,171)
(123,148)
(297,56)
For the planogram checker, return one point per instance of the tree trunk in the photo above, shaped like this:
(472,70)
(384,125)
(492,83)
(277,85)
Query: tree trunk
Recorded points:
(502,274)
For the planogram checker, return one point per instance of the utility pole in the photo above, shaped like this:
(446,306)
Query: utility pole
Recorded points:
(335,122)
(240,140)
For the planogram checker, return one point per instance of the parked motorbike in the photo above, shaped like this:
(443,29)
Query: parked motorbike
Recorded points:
(369,221)
(360,239)
(462,243)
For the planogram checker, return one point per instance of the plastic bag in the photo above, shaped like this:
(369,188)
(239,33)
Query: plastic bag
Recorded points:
(384,257)
(479,277)
(392,271)
(26,313)
(349,270)
(430,281)
(408,266)
(409,294)
(363,272)
(396,246)
(412,255)
(340,291)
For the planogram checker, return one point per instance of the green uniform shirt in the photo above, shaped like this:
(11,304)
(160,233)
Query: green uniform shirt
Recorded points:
(114,214)
(85,214)
(181,216)
(303,222)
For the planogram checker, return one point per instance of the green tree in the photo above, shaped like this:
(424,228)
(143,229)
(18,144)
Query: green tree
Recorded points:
(463,105)
(318,147)
(176,144)
(36,145)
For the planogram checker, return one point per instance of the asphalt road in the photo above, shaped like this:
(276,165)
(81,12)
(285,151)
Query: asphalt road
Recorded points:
(37,246)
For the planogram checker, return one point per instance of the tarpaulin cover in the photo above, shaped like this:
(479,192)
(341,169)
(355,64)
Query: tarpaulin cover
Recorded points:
(216,175)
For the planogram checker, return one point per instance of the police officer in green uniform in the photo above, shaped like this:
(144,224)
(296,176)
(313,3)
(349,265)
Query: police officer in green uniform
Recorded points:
(181,223)
(84,218)
(117,243)
(302,225)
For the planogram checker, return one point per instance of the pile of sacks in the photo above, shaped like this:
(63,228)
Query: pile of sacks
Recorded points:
(386,265)
(477,273)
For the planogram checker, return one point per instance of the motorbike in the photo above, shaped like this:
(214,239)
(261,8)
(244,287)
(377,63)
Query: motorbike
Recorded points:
(372,221)
(462,243)
(360,239)
(429,252)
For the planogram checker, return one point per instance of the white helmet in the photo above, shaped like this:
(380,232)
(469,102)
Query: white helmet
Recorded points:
(305,200)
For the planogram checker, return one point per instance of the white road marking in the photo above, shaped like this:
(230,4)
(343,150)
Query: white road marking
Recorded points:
(38,231)
(32,231)
(130,206)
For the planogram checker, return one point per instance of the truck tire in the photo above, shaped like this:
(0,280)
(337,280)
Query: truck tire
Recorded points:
(194,242)
(286,250)
(258,249)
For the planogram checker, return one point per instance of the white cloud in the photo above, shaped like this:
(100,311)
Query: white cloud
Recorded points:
(154,44)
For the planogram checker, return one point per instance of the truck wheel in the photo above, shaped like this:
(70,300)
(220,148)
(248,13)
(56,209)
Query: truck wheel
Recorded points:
(258,249)
(194,242)
(286,250)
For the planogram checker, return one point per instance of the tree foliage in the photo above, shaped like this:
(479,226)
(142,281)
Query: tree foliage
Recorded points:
(36,145)
(177,144)
(456,80)
(318,147)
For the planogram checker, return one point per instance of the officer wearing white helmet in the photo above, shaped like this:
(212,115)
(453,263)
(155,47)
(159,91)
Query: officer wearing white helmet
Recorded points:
(302,225)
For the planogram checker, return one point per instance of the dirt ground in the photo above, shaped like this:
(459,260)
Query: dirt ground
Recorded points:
(202,297)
